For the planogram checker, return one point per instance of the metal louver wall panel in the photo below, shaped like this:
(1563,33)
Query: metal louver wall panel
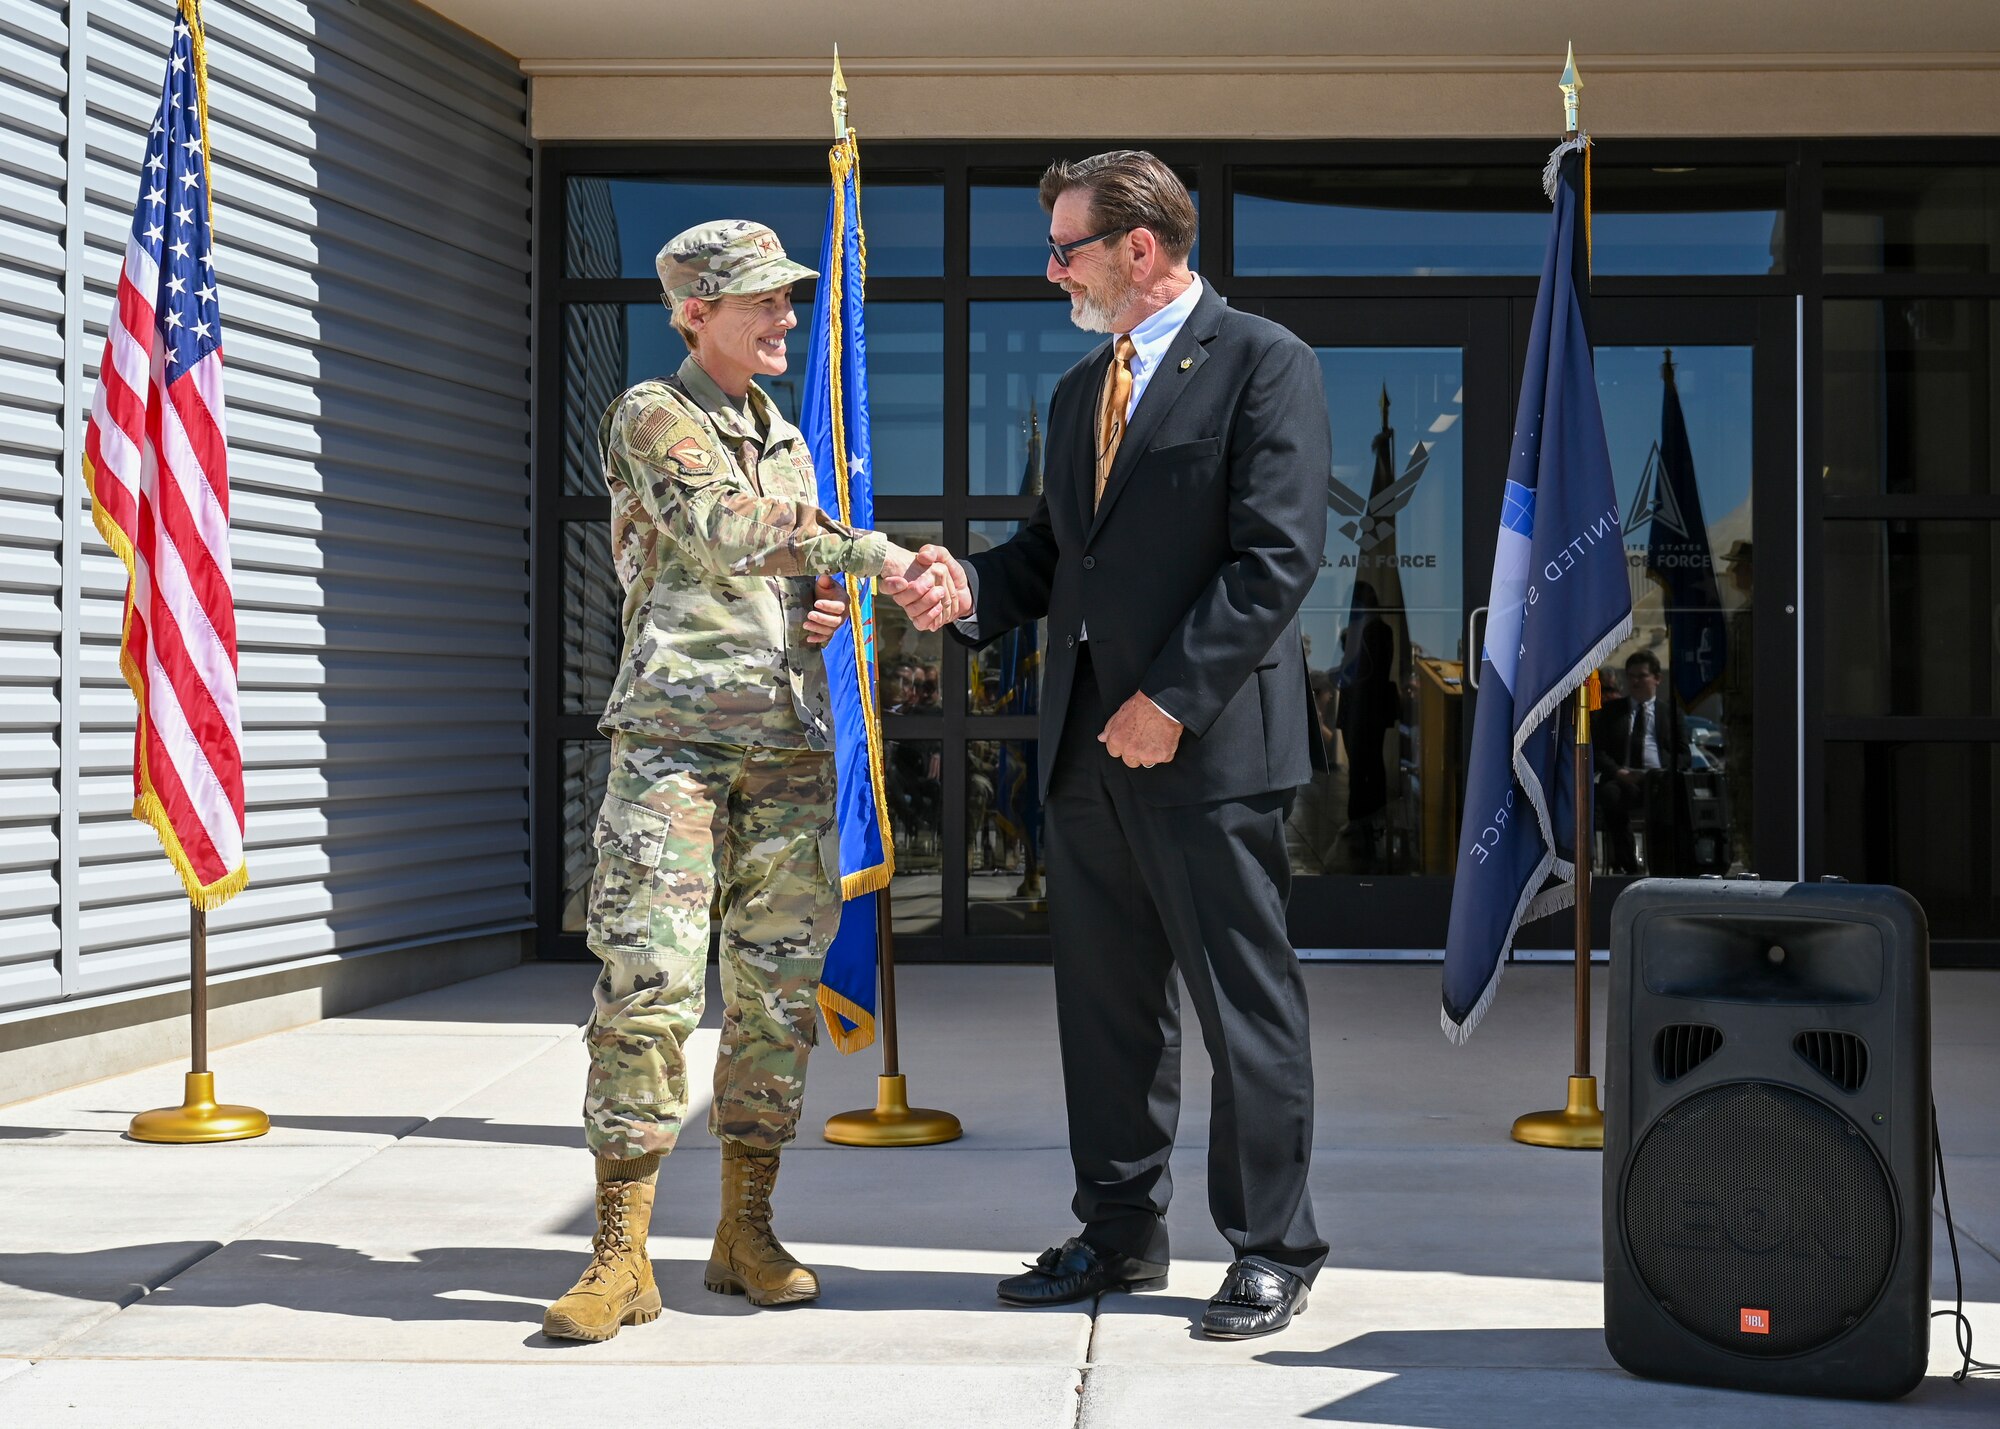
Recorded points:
(34,38)
(372,173)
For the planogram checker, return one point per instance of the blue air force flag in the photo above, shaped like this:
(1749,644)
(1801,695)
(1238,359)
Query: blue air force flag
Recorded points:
(834,417)
(1679,557)
(1560,604)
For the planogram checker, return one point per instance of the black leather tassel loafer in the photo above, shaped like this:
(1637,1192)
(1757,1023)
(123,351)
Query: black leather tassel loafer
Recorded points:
(1078,1270)
(1256,1298)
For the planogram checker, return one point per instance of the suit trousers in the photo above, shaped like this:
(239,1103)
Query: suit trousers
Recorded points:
(1136,892)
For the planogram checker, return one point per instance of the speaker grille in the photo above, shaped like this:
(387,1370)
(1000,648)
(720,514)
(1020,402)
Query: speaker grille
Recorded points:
(1681,1047)
(1840,1057)
(1759,1218)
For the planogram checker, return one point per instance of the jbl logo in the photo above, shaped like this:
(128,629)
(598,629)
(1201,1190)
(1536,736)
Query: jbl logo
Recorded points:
(1754,1322)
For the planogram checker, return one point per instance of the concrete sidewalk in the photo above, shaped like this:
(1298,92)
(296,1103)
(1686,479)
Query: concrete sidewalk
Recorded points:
(383,1256)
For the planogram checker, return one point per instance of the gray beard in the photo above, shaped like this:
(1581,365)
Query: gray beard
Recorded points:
(1093,315)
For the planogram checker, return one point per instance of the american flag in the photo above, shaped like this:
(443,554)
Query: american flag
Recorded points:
(157,465)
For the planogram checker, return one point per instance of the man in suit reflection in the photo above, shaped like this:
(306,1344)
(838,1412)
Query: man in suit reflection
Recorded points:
(1368,710)
(1636,739)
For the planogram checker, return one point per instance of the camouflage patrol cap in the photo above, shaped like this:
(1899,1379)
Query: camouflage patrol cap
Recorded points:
(728,256)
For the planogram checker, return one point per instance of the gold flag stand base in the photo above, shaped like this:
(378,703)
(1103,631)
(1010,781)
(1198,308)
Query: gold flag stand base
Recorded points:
(198,1118)
(893,1122)
(1577,1127)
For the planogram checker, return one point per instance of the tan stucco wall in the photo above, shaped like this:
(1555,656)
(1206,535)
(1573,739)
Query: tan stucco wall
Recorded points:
(1921,95)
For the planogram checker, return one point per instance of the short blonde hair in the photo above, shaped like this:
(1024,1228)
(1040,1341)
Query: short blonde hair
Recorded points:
(676,314)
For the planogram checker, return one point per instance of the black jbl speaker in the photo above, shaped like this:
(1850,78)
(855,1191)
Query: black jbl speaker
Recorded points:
(1767,1137)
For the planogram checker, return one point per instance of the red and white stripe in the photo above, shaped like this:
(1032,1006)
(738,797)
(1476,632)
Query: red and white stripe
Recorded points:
(157,464)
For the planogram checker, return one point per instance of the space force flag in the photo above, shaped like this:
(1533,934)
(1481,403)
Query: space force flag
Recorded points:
(1561,602)
(157,464)
(1679,557)
(834,417)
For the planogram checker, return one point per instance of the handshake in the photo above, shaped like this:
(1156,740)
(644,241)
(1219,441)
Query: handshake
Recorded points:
(929,584)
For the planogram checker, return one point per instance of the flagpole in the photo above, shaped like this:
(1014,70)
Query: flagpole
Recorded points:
(198,1118)
(892,1121)
(1579,1126)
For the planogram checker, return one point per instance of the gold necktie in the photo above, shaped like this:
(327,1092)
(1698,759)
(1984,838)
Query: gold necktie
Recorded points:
(1111,420)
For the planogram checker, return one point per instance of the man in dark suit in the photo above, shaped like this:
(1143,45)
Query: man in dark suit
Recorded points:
(1180,527)
(1635,741)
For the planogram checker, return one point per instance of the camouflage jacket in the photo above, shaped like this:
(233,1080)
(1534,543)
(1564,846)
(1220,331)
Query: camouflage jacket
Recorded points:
(717,534)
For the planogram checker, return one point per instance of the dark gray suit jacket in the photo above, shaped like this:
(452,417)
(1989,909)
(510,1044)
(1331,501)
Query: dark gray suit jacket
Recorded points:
(1190,574)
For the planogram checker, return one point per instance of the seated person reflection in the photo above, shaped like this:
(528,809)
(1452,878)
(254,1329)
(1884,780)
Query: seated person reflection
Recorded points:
(1635,739)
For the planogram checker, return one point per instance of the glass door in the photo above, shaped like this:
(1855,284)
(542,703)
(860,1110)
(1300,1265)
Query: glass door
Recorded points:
(1696,746)
(1413,388)
(1699,408)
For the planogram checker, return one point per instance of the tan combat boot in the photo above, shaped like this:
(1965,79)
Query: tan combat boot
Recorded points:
(617,1286)
(747,1259)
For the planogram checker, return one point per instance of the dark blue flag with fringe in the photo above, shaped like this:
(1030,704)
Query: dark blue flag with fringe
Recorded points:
(834,417)
(1561,603)
(1679,557)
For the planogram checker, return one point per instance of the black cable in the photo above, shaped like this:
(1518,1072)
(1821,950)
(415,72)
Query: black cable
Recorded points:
(1962,1327)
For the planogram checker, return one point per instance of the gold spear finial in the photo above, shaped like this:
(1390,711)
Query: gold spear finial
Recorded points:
(1570,85)
(838,90)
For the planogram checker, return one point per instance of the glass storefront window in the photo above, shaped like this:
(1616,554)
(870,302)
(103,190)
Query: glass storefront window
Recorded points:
(905,395)
(1004,893)
(1912,386)
(617,225)
(1005,677)
(908,661)
(586,769)
(1921,816)
(1445,222)
(1010,233)
(1911,219)
(1674,739)
(1018,352)
(1383,623)
(913,783)
(609,346)
(1910,622)
(592,617)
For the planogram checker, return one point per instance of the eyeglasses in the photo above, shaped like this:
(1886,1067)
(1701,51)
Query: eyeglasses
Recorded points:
(1061,251)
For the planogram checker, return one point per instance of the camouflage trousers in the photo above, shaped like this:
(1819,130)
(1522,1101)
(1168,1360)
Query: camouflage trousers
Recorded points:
(692,833)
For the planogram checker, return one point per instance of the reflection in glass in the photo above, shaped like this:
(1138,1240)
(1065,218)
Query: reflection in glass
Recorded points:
(592,617)
(1453,222)
(1009,231)
(1003,839)
(1018,352)
(617,225)
(913,783)
(1910,617)
(905,395)
(1911,219)
(1005,677)
(907,660)
(586,769)
(609,346)
(1911,396)
(1382,621)
(1921,817)
(1673,747)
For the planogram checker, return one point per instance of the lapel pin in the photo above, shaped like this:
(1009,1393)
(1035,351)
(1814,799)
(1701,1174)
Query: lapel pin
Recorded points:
(1186,363)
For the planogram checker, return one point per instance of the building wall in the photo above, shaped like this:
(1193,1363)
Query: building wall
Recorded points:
(1261,97)
(372,183)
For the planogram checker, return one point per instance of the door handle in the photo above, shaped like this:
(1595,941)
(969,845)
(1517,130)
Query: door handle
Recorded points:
(1472,646)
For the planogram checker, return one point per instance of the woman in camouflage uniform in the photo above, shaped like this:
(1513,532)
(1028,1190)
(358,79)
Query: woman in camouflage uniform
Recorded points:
(720,800)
